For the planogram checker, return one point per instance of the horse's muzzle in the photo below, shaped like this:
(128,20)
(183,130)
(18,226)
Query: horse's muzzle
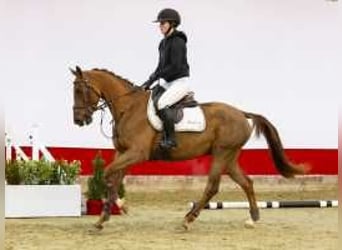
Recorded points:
(82,122)
(78,122)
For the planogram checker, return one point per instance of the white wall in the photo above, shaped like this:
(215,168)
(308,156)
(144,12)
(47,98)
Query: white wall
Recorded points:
(278,58)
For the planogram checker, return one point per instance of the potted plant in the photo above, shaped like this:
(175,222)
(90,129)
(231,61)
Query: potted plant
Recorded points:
(97,189)
(38,188)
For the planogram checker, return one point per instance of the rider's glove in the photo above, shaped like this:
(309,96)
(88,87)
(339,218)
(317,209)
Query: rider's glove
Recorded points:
(147,84)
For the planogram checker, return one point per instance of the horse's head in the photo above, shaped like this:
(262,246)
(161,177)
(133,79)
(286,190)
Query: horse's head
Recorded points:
(86,97)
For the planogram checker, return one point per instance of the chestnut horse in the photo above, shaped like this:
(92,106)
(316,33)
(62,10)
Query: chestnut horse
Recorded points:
(136,140)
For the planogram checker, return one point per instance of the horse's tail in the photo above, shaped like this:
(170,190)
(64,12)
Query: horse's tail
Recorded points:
(284,166)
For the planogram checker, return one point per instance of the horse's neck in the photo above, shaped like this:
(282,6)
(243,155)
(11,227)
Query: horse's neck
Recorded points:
(117,94)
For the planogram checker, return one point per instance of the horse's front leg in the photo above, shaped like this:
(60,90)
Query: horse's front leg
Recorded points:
(114,175)
(113,184)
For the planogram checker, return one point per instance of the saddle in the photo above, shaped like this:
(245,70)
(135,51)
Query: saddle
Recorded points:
(188,115)
(187,101)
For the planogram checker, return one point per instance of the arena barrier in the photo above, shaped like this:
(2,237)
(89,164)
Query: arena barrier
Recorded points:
(270,204)
(36,146)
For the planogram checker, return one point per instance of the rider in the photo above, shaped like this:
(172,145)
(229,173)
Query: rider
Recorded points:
(173,69)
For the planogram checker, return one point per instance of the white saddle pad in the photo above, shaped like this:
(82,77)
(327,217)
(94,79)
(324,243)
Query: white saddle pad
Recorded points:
(193,119)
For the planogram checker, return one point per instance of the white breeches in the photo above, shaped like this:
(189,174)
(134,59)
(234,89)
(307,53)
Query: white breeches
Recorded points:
(175,91)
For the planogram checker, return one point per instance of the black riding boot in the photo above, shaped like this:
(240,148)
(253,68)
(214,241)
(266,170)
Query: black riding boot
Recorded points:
(168,140)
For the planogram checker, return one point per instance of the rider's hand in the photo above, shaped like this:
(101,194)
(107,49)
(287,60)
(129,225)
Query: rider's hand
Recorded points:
(146,85)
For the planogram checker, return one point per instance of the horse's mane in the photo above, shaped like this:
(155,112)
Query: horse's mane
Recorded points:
(116,76)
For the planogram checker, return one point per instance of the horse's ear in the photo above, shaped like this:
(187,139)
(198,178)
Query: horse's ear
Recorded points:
(79,71)
(73,71)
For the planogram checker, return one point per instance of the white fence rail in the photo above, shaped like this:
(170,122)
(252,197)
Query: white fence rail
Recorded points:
(37,147)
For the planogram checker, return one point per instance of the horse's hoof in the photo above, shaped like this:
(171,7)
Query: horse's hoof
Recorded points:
(186,225)
(98,226)
(249,224)
(95,229)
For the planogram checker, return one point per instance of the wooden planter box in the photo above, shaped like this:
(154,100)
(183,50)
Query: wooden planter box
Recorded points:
(42,200)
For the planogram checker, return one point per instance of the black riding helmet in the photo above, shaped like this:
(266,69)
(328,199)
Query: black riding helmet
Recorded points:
(169,15)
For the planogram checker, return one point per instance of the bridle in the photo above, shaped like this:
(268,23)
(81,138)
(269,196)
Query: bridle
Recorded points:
(87,89)
(90,108)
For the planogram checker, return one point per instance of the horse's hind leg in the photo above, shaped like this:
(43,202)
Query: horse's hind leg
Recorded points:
(211,189)
(235,172)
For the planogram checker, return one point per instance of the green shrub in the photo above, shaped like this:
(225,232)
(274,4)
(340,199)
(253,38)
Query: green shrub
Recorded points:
(12,172)
(96,186)
(30,173)
(56,173)
(41,172)
(69,172)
